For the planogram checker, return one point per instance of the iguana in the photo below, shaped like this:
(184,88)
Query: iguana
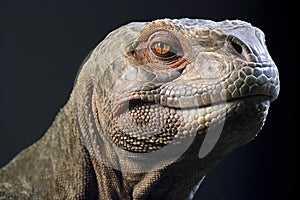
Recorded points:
(154,107)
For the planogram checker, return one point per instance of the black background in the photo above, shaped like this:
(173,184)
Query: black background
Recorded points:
(42,44)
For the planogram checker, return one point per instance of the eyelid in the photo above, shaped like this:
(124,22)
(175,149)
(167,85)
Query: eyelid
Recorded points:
(163,36)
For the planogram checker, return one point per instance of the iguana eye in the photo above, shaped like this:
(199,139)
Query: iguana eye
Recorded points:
(162,49)
(159,49)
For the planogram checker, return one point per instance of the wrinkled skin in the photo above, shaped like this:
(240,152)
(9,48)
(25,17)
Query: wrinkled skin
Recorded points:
(155,106)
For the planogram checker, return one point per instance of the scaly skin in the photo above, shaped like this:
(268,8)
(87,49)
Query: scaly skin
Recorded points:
(155,106)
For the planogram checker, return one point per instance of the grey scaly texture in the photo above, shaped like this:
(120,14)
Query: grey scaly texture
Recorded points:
(155,106)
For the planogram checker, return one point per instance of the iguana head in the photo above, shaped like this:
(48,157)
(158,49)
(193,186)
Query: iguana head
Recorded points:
(156,87)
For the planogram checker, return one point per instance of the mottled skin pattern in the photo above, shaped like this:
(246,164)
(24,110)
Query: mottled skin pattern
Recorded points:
(130,103)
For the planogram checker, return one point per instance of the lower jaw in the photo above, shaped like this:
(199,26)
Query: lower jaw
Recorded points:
(244,116)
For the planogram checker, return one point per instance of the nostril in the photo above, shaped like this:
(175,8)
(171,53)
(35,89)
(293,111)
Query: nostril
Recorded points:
(238,48)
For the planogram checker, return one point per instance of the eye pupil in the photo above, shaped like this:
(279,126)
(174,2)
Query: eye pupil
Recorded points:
(162,48)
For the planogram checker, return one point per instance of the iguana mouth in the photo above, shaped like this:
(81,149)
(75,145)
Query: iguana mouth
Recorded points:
(132,103)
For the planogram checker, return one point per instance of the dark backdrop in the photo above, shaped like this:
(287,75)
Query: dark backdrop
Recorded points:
(42,44)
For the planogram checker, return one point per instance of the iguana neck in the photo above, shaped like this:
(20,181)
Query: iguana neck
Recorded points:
(166,183)
(176,181)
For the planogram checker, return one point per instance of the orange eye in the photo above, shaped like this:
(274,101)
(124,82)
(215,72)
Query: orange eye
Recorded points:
(161,48)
